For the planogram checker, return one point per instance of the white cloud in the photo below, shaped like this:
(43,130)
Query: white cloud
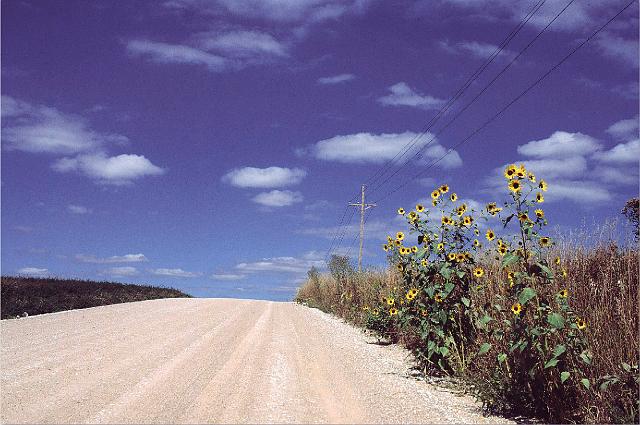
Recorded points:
(560,144)
(475,48)
(78,209)
(121,271)
(174,273)
(33,271)
(378,148)
(283,264)
(41,129)
(176,53)
(616,176)
(336,79)
(264,177)
(242,44)
(402,95)
(581,191)
(552,168)
(278,198)
(228,276)
(625,50)
(624,129)
(114,170)
(623,153)
(128,258)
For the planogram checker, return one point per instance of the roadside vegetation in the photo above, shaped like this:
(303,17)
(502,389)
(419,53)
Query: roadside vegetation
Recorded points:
(32,296)
(533,325)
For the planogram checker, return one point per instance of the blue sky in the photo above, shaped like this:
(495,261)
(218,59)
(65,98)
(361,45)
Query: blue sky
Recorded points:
(212,145)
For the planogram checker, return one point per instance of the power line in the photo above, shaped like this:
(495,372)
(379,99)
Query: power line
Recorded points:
(342,232)
(420,152)
(514,100)
(335,234)
(378,174)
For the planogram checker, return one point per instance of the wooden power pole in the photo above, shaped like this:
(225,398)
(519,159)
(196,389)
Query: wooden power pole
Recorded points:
(363,206)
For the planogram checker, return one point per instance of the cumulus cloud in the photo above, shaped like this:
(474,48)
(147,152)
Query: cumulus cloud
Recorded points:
(121,271)
(128,258)
(176,53)
(242,44)
(560,144)
(402,95)
(624,129)
(475,48)
(623,153)
(33,271)
(269,177)
(78,209)
(41,129)
(298,265)
(173,273)
(113,170)
(228,276)
(278,198)
(336,79)
(378,148)
(622,49)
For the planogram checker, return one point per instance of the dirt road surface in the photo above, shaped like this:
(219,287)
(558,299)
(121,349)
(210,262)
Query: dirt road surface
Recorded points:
(210,360)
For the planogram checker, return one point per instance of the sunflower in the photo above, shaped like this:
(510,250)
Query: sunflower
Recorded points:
(401,211)
(438,298)
(385,247)
(490,235)
(543,185)
(435,194)
(539,198)
(399,267)
(413,215)
(510,171)
(365,308)
(581,323)
(476,232)
(424,263)
(557,261)
(397,242)
(523,217)
(460,257)
(511,275)
(413,292)
(375,312)
(564,293)
(399,236)
(444,188)
(545,241)
(424,313)
(467,221)
(440,246)
(393,311)
(419,207)
(434,202)
(446,220)
(478,272)
(515,186)
(451,256)
(476,243)
(502,249)
(539,213)
(391,301)
(414,249)
(564,273)
(521,172)
(516,308)
(532,177)
(453,197)
(389,239)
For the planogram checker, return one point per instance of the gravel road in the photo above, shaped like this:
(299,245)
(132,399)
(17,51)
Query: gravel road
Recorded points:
(210,360)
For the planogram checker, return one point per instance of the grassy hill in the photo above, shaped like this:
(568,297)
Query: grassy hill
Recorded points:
(48,295)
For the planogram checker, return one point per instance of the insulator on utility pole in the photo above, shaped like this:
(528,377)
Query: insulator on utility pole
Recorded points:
(363,206)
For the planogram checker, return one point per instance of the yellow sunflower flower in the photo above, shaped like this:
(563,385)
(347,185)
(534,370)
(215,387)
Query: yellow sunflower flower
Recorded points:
(515,186)
(564,293)
(444,188)
(401,211)
(581,323)
(539,213)
(502,249)
(523,217)
(400,267)
(490,235)
(419,207)
(478,272)
(414,249)
(393,311)
(391,301)
(557,261)
(440,246)
(460,257)
(516,308)
(564,273)
(438,298)
(397,242)
(539,198)
(476,243)
(545,241)
(400,236)
(532,177)
(435,194)
(385,247)
(453,197)
(510,171)
(424,263)
(467,221)
(543,185)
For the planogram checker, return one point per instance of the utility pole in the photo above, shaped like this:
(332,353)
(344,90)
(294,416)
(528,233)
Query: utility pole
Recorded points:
(363,206)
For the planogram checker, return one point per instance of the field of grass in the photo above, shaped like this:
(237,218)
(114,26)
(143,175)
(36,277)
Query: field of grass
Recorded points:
(47,295)
(533,325)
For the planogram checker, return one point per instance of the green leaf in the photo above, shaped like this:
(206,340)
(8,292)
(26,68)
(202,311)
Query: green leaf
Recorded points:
(445,271)
(556,320)
(585,357)
(502,357)
(465,301)
(545,269)
(564,376)
(526,295)
(559,350)
(551,363)
(626,367)
(508,260)
(484,348)
(448,287)
(444,351)
(460,273)
(586,383)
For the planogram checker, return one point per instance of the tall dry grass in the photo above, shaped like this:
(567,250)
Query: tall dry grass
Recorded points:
(602,280)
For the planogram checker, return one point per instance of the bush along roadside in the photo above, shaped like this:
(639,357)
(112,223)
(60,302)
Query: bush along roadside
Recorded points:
(493,307)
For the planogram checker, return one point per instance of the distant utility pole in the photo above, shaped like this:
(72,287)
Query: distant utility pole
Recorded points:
(363,206)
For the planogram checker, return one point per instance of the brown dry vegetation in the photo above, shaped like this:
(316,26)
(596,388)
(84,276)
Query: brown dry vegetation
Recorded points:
(602,281)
